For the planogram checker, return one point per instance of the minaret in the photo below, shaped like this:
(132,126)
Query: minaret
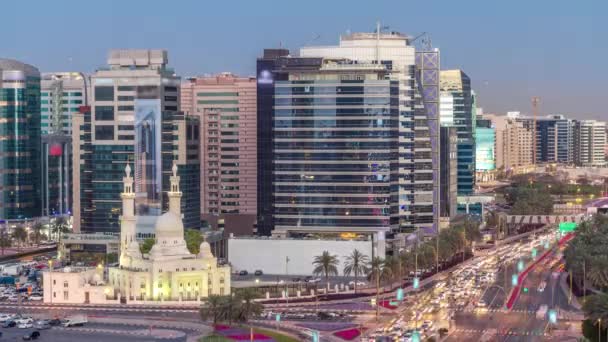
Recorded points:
(175,194)
(127,219)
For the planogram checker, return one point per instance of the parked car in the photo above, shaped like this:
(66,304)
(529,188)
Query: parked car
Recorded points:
(9,324)
(34,335)
(243,273)
(55,321)
(258,272)
(25,325)
(24,320)
(43,324)
(35,297)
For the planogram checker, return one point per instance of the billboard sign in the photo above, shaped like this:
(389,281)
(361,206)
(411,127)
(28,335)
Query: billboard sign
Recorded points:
(566,227)
(148,164)
(484,150)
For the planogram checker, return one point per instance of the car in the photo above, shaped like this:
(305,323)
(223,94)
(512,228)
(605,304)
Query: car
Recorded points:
(359,283)
(34,335)
(258,272)
(42,324)
(55,321)
(25,325)
(9,324)
(5,317)
(35,297)
(243,273)
(24,320)
(296,280)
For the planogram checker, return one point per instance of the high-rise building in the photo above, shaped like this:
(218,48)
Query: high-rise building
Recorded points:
(554,140)
(589,143)
(354,138)
(62,94)
(133,119)
(20,186)
(449,172)
(514,141)
(226,105)
(485,145)
(457,110)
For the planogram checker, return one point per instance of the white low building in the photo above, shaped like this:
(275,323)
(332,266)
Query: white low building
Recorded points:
(168,274)
(277,256)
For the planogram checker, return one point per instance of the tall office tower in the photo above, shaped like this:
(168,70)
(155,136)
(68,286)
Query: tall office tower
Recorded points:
(353,149)
(19,140)
(226,105)
(457,110)
(134,118)
(449,172)
(62,95)
(554,139)
(589,143)
(485,144)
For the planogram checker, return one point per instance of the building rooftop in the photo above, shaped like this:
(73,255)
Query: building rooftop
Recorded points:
(13,65)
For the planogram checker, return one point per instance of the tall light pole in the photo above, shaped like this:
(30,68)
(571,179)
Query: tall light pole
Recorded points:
(51,278)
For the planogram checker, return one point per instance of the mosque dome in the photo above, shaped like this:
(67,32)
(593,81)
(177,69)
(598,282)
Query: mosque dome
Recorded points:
(169,226)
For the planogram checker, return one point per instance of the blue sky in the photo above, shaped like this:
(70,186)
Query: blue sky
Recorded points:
(512,50)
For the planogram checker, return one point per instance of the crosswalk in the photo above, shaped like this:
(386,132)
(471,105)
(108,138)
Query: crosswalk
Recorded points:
(497,310)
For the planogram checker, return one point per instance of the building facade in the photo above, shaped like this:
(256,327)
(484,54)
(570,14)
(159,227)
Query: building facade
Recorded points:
(226,105)
(20,141)
(449,172)
(354,135)
(62,96)
(555,140)
(457,110)
(133,117)
(590,143)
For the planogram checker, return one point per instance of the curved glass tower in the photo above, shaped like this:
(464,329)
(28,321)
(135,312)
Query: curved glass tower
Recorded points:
(19,140)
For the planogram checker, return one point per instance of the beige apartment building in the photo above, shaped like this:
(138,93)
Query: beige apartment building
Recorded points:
(514,142)
(227,108)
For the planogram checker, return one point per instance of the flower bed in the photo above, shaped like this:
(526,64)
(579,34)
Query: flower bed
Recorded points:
(348,335)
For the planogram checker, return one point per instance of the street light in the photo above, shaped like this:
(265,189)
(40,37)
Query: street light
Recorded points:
(51,278)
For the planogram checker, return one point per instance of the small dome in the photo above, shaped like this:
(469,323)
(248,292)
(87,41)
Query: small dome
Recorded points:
(169,225)
(205,250)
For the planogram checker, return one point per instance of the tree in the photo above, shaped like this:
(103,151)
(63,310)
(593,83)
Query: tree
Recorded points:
(248,307)
(20,235)
(5,240)
(596,308)
(214,309)
(111,258)
(37,232)
(193,239)
(355,263)
(146,246)
(375,270)
(326,264)
(59,227)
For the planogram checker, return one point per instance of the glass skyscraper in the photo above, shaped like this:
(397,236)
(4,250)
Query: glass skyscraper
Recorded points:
(457,110)
(353,137)
(20,140)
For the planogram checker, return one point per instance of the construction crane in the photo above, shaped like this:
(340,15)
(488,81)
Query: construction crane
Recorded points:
(535,104)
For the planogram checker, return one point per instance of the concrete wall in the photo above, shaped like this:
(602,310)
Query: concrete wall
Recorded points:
(269,255)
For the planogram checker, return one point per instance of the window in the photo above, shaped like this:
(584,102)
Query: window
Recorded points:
(65,284)
(221,291)
(218,94)
(170,88)
(160,284)
(125,127)
(126,88)
(125,98)
(104,113)
(54,282)
(125,108)
(104,93)
(126,137)
(170,98)
(65,295)
(104,132)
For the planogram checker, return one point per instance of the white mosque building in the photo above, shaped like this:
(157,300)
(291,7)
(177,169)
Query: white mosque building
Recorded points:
(168,274)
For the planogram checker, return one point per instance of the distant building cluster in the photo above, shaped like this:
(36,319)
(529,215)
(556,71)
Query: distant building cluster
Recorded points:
(367,140)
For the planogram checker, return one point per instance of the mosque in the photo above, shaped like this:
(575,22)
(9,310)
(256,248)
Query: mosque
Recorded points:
(169,273)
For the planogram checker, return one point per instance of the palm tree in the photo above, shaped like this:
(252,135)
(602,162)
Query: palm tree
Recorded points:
(248,307)
(355,263)
(326,264)
(20,234)
(5,240)
(59,227)
(390,270)
(214,309)
(37,232)
(596,307)
(376,266)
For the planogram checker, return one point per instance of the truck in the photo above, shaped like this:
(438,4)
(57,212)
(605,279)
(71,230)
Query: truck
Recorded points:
(542,311)
(74,321)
